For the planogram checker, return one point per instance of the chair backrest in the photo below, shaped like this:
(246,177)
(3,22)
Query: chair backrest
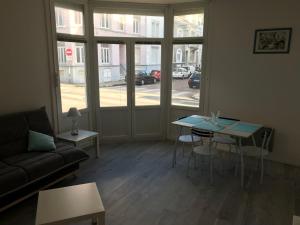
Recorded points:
(263,138)
(181,117)
(228,118)
(201,133)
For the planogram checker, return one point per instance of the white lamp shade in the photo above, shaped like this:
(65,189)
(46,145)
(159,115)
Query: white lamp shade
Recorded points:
(74,112)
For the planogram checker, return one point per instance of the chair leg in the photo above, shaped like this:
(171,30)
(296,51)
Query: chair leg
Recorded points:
(183,149)
(236,162)
(211,168)
(188,164)
(174,153)
(262,170)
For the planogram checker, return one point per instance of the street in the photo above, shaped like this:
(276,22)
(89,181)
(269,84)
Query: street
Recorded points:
(74,95)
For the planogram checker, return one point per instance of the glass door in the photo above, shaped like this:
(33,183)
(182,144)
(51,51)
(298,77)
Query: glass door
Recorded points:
(147,90)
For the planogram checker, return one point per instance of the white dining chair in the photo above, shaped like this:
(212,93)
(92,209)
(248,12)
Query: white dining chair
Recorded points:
(205,149)
(226,140)
(184,139)
(260,151)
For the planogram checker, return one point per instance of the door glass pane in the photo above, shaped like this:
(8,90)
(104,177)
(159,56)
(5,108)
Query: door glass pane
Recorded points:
(68,21)
(190,25)
(147,74)
(112,75)
(124,25)
(186,74)
(72,74)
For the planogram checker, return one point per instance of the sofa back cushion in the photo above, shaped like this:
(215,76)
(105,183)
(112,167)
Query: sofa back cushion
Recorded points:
(38,121)
(13,134)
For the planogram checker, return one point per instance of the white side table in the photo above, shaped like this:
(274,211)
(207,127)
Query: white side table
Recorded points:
(82,136)
(70,204)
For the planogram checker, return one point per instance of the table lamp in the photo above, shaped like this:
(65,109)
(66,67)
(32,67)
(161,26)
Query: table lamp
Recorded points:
(74,114)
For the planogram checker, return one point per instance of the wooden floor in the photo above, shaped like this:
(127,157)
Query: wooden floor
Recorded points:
(139,187)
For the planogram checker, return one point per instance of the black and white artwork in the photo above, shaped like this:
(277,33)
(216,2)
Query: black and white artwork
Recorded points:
(272,40)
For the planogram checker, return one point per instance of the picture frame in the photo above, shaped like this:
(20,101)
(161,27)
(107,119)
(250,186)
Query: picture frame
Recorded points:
(272,41)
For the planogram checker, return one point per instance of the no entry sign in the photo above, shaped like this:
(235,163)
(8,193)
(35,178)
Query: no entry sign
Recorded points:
(68,52)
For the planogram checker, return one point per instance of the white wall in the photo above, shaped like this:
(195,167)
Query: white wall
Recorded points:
(24,72)
(256,87)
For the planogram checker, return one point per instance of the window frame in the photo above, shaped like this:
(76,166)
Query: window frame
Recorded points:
(65,37)
(185,9)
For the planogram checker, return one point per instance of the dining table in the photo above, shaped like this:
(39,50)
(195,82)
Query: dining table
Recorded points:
(237,129)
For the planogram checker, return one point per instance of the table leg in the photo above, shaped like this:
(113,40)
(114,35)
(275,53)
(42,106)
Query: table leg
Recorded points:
(175,149)
(242,161)
(97,146)
(98,220)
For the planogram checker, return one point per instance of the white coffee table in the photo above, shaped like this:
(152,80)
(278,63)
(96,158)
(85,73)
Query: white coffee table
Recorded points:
(82,136)
(70,204)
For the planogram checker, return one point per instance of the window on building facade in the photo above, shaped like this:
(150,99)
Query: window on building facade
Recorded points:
(80,56)
(122,23)
(78,18)
(155,28)
(136,25)
(104,21)
(61,55)
(130,24)
(59,18)
(178,56)
(105,56)
(68,21)
(190,25)
(112,78)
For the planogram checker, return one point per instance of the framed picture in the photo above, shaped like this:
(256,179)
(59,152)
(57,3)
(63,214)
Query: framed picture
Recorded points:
(268,41)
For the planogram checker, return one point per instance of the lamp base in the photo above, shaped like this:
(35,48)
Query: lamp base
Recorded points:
(74,133)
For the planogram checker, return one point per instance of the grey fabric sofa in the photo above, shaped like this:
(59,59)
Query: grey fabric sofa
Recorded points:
(24,173)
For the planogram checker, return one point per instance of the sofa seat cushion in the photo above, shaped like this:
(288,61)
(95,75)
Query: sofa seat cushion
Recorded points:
(36,164)
(11,177)
(69,153)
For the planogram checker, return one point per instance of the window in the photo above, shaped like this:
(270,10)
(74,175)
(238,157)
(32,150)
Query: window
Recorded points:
(136,25)
(72,77)
(104,55)
(104,21)
(112,78)
(147,74)
(186,75)
(61,55)
(80,56)
(178,55)
(59,18)
(122,23)
(131,25)
(190,25)
(78,18)
(155,28)
(68,21)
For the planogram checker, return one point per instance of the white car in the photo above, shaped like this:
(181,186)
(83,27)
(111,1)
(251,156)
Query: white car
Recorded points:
(180,73)
(190,69)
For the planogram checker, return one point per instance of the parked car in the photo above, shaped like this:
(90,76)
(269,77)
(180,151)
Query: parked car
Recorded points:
(180,73)
(190,69)
(155,74)
(142,78)
(194,80)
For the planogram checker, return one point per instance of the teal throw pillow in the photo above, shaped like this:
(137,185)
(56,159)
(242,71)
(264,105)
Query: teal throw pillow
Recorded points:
(40,142)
